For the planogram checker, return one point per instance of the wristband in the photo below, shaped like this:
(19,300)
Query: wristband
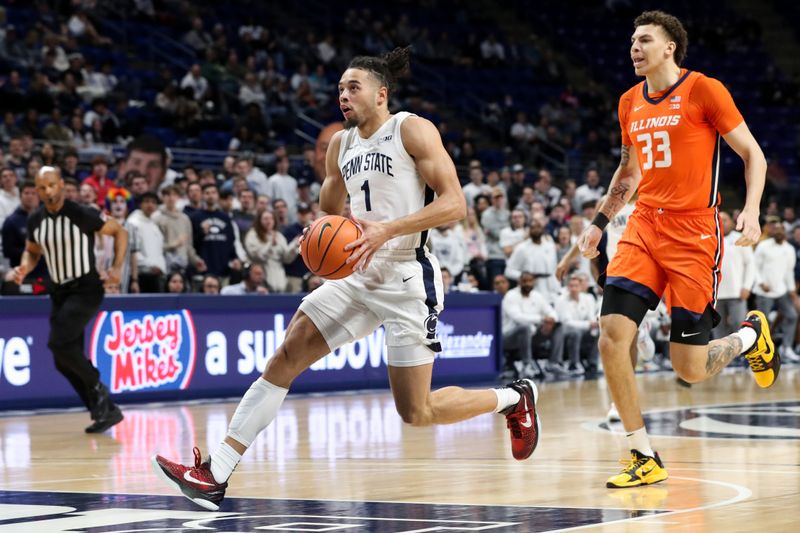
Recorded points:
(600,220)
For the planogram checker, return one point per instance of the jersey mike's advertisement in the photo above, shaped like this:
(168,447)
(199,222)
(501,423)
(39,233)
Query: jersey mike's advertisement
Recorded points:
(168,348)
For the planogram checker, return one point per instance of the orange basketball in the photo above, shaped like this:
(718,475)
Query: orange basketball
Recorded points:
(323,247)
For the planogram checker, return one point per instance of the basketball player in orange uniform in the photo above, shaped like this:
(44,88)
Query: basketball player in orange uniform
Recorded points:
(671,127)
(401,183)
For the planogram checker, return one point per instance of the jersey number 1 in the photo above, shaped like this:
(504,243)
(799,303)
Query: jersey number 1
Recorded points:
(365,188)
(661,140)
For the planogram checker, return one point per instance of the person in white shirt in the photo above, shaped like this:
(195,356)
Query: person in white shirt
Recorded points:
(196,82)
(775,260)
(9,193)
(449,247)
(577,311)
(476,186)
(590,190)
(256,179)
(150,256)
(253,282)
(527,312)
(283,186)
(536,255)
(738,275)
(514,234)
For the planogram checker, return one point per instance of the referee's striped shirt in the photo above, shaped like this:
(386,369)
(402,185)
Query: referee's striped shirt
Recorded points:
(66,239)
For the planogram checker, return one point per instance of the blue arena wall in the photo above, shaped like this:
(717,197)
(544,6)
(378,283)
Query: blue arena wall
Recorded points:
(161,348)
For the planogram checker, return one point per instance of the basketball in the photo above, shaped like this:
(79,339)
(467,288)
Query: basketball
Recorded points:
(323,247)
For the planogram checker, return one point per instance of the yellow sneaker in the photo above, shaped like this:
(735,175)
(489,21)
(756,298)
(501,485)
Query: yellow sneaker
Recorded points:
(641,470)
(763,359)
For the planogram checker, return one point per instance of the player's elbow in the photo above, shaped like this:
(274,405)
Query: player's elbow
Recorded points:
(458,207)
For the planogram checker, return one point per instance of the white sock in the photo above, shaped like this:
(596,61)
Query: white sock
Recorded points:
(506,397)
(256,410)
(639,441)
(223,461)
(748,337)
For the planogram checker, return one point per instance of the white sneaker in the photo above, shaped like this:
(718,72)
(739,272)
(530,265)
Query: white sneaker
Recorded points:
(613,414)
(789,355)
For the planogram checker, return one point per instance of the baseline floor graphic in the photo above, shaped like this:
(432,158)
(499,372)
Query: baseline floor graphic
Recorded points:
(63,512)
(759,420)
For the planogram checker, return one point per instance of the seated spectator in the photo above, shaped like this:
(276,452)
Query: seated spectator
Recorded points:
(590,190)
(544,190)
(476,185)
(538,256)
(211,284)
(447,244)
(256,179)
(475,241)
(297,269)
(283,186)
(88,196)
(176,283)
(577,311)
(15,230)
(198,38)
(253,282)
(514,234)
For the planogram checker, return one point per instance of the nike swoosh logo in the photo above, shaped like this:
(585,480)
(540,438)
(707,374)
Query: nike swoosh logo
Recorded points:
(190,478)
(408,278)
(321,231)
(684,335)
(704,237)
(638,108)
(643,472)
(528,422)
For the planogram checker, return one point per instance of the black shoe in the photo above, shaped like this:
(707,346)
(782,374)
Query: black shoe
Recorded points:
(110,418)
(104,412)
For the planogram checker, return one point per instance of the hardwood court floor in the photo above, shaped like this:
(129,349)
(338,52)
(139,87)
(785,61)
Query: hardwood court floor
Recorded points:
(732,451)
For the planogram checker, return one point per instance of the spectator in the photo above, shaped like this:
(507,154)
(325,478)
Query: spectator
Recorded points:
(88,196)
(195,81)
(214,236)
(475,241)
(775,287)
(175,225)
(739,272)
(512,235)
(15,230)
(577,311)
(99,180)
(150,257)
(517,184)
(118,203)
(9,193)
(211,284)
(226,206)
(71,190)
(447,244)
(538,256)
(281,212)
(69,165)
(476,186)
(246,212)
(197,38)
(544,190)
(492,51)
(16,158)
(297,269)
(527,312)
(253,282)
(501,284)
(284,187)
(176,283)
(590,190)
(266,246)
(493,221)
(256,179)
(194,195)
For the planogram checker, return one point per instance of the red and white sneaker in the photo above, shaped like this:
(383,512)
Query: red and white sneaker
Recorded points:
(522,420)
(196,483)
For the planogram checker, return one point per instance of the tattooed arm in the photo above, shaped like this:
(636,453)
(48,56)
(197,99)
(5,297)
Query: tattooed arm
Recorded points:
(623,184)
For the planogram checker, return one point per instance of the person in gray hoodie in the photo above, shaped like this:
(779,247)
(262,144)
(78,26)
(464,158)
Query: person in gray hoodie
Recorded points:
(176,226)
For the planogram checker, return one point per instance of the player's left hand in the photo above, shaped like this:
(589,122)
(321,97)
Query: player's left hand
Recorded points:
(113,276)
(373,236)
(747,223)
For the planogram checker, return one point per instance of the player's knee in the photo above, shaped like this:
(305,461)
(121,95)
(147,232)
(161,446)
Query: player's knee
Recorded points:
(415,415)
(689,373)
(612,341)
(286,360)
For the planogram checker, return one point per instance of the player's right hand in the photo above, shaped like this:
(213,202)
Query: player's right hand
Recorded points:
(19,275)
(588,241)
(561,269)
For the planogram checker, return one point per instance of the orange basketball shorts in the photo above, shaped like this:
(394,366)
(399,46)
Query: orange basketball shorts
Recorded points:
(677,251)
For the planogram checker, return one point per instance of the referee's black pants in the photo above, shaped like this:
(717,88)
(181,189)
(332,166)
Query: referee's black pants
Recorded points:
(73,306)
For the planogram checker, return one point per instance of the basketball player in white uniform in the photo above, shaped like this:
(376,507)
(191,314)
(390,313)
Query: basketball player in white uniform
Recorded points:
(401,183)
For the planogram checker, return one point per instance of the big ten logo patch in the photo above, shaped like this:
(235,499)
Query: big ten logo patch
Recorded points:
(140,350)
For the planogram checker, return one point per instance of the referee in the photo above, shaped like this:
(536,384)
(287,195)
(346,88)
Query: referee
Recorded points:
(63,232)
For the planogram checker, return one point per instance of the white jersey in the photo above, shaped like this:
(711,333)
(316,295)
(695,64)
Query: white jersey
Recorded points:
(615,229)
(382,179)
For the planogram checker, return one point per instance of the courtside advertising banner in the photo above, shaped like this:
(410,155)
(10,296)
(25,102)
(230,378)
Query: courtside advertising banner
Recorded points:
(168,348)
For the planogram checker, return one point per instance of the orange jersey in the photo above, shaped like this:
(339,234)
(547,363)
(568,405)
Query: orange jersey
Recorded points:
(676,135)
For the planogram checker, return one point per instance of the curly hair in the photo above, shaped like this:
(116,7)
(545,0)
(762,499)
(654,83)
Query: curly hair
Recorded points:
(671,26)
(388,68)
